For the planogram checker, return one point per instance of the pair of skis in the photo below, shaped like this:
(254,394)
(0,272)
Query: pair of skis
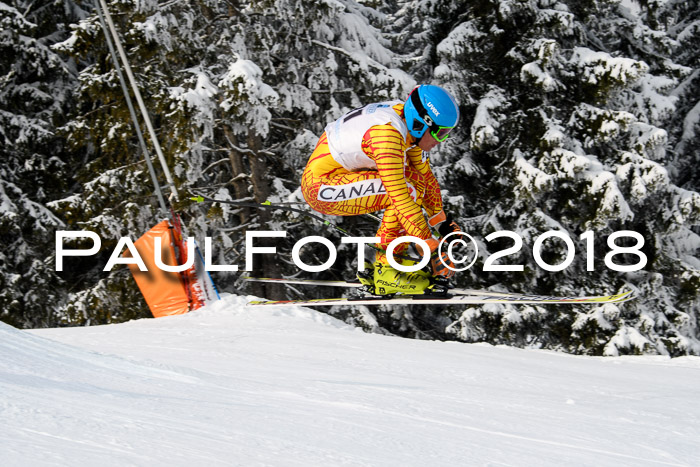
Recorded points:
(454,296)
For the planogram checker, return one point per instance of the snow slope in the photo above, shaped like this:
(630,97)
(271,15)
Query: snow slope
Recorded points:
(237,385)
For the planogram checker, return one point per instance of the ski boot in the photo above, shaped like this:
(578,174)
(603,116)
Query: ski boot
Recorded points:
(366,278)
(390,281)
(383,280)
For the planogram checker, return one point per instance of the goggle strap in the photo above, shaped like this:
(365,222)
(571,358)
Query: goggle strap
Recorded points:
(422,113)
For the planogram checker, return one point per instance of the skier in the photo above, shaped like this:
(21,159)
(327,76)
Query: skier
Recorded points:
(374,158)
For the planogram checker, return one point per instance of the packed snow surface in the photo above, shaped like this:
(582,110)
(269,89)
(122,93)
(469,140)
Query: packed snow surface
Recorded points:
(237,385)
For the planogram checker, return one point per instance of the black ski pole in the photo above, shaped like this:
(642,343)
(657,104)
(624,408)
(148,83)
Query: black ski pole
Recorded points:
(199,198)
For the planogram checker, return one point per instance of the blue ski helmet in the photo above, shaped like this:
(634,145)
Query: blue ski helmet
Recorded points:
(431,107)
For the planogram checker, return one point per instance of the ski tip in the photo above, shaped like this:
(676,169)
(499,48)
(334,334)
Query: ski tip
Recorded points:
(615,298)
(260,302)
(624,296)
(267,302)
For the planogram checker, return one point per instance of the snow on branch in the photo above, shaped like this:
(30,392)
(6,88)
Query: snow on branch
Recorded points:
(601,68)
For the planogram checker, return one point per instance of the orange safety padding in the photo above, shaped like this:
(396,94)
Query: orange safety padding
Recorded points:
(189,277)
(163,291)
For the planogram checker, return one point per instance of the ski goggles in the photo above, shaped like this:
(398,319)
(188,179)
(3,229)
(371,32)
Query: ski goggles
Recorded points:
(441,133)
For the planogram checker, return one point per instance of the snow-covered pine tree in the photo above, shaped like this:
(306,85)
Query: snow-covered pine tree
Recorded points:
(35,94)
(567,136)
(114,195)
(680,21)
(662,102)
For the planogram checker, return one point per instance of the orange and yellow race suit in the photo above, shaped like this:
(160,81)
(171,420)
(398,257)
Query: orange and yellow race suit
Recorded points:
(367,161)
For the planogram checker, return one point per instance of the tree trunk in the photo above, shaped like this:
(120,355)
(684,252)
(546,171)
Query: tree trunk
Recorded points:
(240,175)
(269,264)
(252,177)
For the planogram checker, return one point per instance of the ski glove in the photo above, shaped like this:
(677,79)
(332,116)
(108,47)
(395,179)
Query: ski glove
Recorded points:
(444,224)
(441,264)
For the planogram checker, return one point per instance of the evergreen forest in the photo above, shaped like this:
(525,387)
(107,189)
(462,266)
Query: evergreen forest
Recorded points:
(581,117)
